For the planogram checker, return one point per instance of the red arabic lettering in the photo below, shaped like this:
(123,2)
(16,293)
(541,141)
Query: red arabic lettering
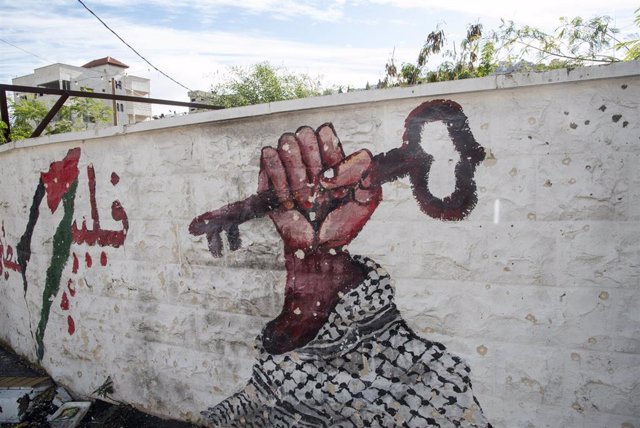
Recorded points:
(76,264)
(64,303)
(7,261)
(71,325)
(97,235)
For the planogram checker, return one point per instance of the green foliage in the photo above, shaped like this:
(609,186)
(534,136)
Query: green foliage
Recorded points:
(575,42)
(3,129)
(25,115)
(262,83)
(632,47)
(75,115)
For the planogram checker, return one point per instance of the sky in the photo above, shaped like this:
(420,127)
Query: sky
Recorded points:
(339,42)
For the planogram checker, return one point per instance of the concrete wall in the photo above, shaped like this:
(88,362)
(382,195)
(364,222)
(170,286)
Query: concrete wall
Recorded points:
(538,289)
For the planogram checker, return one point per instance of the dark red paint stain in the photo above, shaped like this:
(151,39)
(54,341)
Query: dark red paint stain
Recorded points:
(88,260)
(71,325)
(64,303)
(115,178)
(60,176)
(71,287)
(76,264)
(103,258)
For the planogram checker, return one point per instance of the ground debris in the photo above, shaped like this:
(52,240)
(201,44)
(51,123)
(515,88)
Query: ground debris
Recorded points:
(102,414)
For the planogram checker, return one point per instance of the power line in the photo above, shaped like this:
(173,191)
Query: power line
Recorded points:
(100,74)
(130,47)
(25,51)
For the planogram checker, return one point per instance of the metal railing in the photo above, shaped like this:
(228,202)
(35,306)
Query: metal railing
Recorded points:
(65,94)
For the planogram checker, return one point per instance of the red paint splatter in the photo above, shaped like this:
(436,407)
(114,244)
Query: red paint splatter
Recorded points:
(64,303)
(60,176)
(71,287)
(76,263)
(103,258)
(115,178)
(71,325)
(88,260)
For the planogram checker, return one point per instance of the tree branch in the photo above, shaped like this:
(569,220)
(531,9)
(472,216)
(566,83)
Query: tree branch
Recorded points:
(566,56)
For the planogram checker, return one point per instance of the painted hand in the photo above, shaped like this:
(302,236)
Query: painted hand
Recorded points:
(325,197)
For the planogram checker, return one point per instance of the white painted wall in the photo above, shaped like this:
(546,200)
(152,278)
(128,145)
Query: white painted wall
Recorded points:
(538,289)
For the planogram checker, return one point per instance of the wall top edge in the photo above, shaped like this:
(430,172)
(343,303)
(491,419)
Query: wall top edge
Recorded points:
(496,82)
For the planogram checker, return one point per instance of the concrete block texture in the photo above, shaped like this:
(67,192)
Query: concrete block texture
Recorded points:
(538,288)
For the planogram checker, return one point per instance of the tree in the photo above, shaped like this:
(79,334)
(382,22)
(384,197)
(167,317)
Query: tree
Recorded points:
(76,115)
(575,42)
(3,129)
(25,115)
(262,83)
(632,46)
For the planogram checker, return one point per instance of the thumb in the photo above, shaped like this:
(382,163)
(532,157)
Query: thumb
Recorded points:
(349,171)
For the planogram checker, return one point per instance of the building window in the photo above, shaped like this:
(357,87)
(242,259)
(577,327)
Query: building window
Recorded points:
(66,85)
(120,107)
(118,84)
(55,84)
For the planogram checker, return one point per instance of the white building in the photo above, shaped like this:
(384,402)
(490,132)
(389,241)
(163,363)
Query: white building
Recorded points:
(202,97)
(104,75)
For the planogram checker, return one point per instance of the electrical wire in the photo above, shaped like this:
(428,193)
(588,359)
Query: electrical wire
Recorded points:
(25,51)
(76,81)
(130,47)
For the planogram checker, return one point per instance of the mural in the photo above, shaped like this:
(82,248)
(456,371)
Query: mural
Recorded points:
(59,184)
(340,353)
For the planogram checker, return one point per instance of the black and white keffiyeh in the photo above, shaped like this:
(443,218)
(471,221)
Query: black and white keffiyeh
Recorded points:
(364,368)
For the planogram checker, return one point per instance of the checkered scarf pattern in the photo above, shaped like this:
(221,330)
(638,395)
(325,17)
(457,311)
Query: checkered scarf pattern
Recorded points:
(364,368)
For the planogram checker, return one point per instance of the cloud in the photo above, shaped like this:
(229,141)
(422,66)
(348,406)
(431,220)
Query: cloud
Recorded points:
(191,57)
(541,13)
(283,9)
